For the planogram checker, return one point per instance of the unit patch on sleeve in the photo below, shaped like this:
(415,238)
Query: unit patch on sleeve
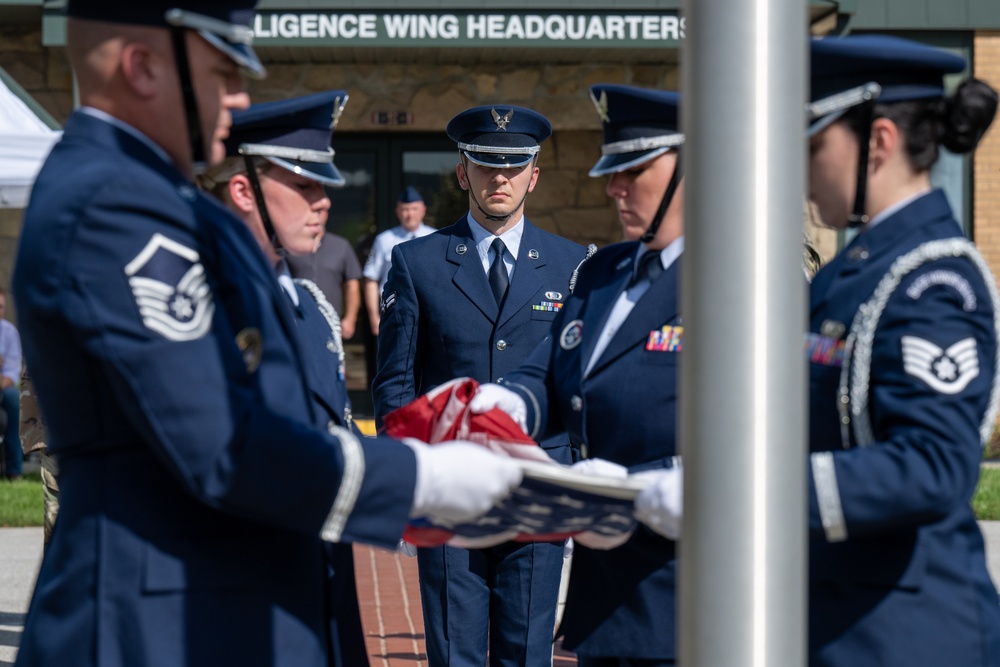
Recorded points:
(949,279)
(169,287)
(945,371)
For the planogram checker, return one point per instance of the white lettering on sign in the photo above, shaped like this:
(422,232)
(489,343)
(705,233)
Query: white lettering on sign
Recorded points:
(475,27)
(421,26)
(316,26)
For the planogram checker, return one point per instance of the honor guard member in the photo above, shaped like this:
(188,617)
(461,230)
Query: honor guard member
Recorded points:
(903,366)
(902,346)
(473,300)
(166,364)
(609,376)
(279,162)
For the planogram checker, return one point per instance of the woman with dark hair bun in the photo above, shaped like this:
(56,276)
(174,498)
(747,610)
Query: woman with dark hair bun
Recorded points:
(903,358)
(957,122)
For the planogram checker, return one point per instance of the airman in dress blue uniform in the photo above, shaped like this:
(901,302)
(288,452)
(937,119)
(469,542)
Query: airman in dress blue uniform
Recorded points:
(903,348)
(279,161)
(903,367)
(166,362)
(473,300)
(613,361)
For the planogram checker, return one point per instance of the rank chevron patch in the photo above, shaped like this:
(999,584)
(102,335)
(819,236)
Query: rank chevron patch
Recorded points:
(945,371)
(169,286)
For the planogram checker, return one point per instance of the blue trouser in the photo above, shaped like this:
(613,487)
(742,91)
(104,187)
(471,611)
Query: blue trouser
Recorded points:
(503,598)
(10,401)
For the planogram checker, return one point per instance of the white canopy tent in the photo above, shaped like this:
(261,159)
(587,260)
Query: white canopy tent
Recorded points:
(25,141)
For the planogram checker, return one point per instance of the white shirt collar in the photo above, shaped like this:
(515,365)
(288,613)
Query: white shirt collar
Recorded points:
(484,238)
(894,208)
(284,277)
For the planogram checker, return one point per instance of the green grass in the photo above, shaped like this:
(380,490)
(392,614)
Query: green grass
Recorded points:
(986,502)
(21,501)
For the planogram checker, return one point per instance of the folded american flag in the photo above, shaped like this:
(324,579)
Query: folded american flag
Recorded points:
(551,503)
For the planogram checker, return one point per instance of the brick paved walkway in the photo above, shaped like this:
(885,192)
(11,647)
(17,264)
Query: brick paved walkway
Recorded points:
(390,610)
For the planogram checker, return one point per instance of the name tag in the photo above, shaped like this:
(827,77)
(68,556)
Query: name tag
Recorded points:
(666,339)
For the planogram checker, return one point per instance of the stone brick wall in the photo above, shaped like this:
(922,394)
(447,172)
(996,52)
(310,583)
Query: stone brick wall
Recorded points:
(43,72)
(986,165)
(566,200)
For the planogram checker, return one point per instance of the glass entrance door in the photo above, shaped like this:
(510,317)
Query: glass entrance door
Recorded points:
(377,167)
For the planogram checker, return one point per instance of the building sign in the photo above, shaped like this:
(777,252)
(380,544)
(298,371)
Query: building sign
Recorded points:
(462,29)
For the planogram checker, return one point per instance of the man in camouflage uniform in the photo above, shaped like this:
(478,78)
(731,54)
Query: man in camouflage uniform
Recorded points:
(33,438)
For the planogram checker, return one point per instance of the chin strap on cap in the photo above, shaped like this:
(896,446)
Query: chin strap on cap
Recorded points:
(258,195)
(668,196)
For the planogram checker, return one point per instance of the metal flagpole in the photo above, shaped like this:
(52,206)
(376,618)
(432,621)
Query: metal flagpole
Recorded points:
(743,381)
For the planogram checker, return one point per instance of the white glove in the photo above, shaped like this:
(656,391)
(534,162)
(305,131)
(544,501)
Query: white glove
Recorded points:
(603,468)
(458,481)
(490,396)
(660,505)
(600,542)
(406,549)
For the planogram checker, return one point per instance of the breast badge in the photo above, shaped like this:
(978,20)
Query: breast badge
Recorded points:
(251,345)
(169,287)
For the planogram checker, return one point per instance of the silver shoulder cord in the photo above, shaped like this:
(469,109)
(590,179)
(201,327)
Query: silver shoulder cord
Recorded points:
(330,314)
(855,374)
(336,342)
(591,249)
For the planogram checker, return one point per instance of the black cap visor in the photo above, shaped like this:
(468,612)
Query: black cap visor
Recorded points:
(322,172)
(499,160)
(242,54)
(612,164)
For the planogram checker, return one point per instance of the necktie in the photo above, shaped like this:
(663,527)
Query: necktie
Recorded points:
(498,272)
(650,267)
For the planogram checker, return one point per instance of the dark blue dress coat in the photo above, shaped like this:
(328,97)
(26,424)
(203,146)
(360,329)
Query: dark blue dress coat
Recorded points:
(897,568)
(620,602)
(331,405)
(193,487)
(441,321)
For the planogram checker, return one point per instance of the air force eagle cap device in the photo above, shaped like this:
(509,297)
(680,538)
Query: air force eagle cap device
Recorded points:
(225,24)
(848,71)
(639,124)
(294,134)
(499,135)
